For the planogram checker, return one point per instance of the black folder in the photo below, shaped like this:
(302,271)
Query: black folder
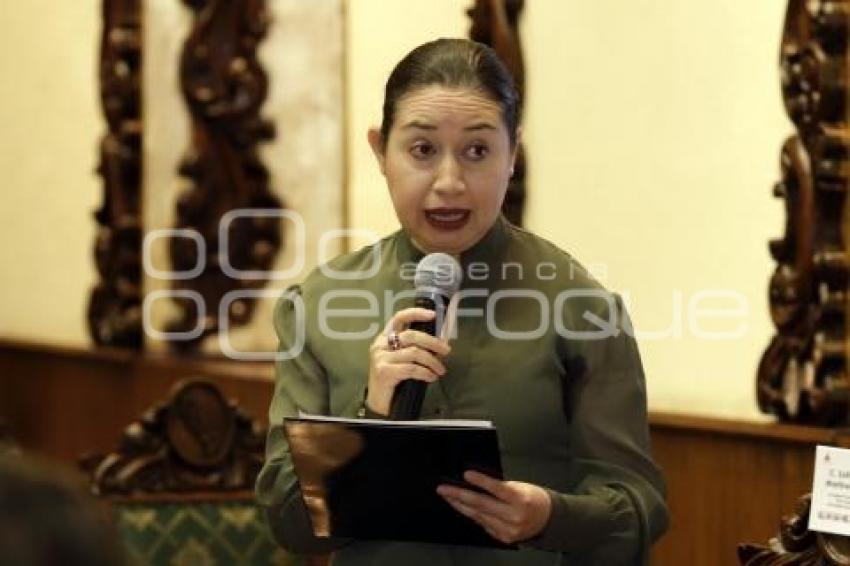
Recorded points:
(377,480)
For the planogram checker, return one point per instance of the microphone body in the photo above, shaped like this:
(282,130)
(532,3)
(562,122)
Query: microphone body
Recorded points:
(438,277)
(406,404)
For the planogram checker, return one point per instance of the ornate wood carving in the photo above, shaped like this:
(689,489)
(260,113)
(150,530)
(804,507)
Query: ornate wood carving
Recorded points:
(496,23)
(195,442)
(803,375)
(114,311)
(796,545)
(224,87)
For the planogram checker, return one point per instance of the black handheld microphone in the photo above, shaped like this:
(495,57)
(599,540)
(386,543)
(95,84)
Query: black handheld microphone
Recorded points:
(438,277)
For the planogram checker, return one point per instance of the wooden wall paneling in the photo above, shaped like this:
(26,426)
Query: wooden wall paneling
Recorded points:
(729,482)
(67,403)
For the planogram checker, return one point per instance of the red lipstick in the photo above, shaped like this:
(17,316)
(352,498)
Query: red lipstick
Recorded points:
(447,218)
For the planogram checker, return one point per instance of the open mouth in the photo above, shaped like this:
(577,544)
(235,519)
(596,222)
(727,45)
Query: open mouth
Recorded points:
(447,218)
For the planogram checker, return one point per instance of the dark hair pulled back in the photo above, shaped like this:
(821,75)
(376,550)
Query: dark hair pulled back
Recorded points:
(453,63)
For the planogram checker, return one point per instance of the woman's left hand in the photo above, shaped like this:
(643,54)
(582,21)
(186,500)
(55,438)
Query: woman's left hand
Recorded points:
(510,511)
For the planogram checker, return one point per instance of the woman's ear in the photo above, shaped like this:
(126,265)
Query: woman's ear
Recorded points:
(515,151)
(376,142)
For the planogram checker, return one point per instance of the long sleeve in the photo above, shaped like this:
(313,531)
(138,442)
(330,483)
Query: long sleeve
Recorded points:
(617,508)
(300,384)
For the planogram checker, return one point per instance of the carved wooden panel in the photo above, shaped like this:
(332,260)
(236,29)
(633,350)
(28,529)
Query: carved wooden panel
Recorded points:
(796,545)
(496,23)
(197,441)
(224,87)
(114,310)
(803,375)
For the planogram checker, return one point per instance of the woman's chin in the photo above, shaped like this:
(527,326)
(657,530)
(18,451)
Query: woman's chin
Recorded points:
(452,244)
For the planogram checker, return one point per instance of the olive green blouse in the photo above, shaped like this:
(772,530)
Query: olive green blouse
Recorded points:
(540,349)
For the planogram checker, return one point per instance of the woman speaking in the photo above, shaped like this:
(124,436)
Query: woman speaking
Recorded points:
(538,346)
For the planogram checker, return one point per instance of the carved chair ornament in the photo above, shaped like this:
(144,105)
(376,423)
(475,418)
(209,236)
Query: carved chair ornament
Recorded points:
(195,442)
(796,545)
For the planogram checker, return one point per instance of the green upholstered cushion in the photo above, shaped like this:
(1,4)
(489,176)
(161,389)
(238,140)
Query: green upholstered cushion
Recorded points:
(199,534)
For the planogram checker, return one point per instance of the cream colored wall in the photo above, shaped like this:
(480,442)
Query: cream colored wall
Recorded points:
(653,130)
(49,129)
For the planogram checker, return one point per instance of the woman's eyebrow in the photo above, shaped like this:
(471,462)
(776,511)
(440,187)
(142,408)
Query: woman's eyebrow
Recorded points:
(416,124)
(481,126)
(419,125)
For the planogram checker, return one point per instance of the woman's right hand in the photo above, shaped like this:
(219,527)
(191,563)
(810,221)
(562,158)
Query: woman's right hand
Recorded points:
(418,356)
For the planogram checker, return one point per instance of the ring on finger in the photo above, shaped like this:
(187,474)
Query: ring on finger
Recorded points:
(393,341)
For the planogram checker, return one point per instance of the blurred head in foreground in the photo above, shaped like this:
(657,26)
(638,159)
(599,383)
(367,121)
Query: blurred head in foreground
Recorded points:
(47,518)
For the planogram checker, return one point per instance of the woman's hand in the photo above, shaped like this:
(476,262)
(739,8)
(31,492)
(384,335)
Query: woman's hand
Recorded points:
(510,511)
(418,356)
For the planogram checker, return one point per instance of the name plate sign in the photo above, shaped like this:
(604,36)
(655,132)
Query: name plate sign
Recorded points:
(830,510)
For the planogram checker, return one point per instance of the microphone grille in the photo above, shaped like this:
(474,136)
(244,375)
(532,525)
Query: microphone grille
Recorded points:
(438,272)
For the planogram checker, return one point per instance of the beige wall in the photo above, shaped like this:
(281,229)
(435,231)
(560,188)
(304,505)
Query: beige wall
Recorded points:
(653,130)
(49,129)
(660,163)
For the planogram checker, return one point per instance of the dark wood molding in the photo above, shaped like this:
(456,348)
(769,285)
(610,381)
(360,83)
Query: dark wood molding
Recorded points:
(803,375)
(162,361)
(224,87)
(496,23)
(756,430)
(114,310)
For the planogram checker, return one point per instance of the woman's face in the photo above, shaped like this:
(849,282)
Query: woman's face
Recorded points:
(447,162)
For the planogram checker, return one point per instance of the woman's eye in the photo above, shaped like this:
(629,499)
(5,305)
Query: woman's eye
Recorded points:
(477,151)
(422,150)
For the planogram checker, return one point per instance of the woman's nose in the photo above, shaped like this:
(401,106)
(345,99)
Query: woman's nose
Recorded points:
(449,176)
